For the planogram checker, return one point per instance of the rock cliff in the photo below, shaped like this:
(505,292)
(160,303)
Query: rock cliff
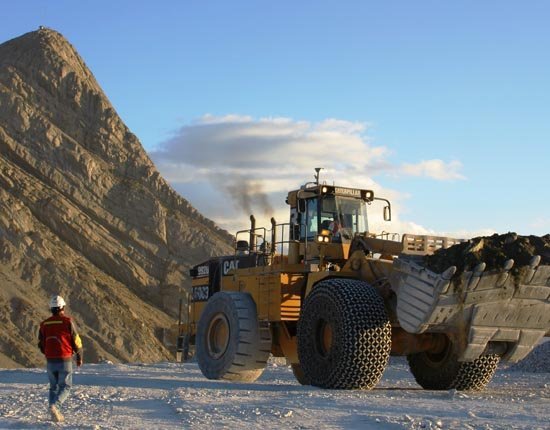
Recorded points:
(84,212)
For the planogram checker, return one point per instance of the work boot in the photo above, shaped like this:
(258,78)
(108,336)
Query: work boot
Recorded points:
(56,414)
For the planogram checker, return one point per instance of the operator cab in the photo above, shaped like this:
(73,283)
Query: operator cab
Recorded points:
(335,213)
(325,220)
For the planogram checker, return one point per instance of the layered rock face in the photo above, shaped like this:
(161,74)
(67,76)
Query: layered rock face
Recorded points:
(84,213)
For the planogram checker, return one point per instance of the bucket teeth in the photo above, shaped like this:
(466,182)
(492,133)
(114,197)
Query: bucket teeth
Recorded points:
(480,268)
(535,261)
(508,264)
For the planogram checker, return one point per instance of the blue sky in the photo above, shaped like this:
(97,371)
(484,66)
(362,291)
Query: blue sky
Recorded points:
(427,87)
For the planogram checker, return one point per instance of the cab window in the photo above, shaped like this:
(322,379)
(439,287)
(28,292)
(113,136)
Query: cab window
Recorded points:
(312,218)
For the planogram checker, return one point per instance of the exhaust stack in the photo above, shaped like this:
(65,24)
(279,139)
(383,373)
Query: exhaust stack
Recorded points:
(252,240)
(273,234)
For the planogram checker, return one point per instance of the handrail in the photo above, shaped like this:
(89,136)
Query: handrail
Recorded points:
(256,248)
(386,235)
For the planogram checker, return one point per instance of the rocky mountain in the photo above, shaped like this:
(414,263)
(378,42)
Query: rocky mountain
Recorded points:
(85,213)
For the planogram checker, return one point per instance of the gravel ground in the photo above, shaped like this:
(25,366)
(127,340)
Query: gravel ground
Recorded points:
(176,396)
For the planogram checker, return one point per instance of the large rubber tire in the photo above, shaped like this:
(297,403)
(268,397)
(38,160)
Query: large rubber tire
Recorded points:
(299,374)
(443,371)
(344,335)
(230,343)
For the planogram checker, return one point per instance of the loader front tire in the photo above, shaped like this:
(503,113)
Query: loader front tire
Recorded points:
(231,344)
(344,335)
(443,371)
(299,374)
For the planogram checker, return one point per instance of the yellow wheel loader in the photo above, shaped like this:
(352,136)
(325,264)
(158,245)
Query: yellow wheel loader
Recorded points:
(337,300)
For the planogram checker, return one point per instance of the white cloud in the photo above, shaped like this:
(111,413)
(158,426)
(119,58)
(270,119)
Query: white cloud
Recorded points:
(245,164)
(234,145)
(435,169)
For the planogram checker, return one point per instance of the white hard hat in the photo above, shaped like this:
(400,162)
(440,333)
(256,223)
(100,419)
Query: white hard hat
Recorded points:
(57,302)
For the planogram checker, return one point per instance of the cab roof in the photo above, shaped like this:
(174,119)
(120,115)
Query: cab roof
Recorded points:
(313,190)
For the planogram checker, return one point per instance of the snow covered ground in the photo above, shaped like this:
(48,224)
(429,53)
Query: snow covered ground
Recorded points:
(177,396)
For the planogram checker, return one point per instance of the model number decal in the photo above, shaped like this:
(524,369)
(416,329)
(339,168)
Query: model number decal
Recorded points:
(202,271)
(200,293)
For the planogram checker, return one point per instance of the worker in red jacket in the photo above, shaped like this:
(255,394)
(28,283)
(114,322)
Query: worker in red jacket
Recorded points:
(58,341)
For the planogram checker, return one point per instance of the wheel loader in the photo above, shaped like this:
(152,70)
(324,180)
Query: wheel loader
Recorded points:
(336,300)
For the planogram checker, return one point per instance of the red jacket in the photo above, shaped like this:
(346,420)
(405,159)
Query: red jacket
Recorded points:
(58,338)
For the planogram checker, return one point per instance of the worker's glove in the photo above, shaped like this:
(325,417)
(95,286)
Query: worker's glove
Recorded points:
(79,362)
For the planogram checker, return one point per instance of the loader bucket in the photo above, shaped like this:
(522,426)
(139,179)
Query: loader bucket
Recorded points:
(480,305)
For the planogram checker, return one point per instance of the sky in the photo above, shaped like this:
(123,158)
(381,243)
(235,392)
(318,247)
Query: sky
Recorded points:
(442,107)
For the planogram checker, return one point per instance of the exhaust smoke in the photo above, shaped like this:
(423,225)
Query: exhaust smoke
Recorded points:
(246,194)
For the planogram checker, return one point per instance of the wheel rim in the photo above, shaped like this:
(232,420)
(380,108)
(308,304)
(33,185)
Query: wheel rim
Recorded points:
(434,359)
(218,336)
(323,338)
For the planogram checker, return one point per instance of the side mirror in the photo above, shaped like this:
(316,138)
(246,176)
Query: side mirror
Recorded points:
(387,213)
(301,205)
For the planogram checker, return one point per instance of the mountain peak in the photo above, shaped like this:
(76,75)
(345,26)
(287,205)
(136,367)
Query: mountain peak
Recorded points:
(84,213)
(46,51)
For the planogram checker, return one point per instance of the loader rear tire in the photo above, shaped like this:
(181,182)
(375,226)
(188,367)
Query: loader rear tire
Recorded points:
(231,344)
(443,371)
(344,335)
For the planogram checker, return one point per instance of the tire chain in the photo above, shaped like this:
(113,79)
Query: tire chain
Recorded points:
(477,374)
(361,340)
(452,374)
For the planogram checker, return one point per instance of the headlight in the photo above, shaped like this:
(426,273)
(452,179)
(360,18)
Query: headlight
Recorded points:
(323,238)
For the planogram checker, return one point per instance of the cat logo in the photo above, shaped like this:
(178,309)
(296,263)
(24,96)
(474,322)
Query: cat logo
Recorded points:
(230,265)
